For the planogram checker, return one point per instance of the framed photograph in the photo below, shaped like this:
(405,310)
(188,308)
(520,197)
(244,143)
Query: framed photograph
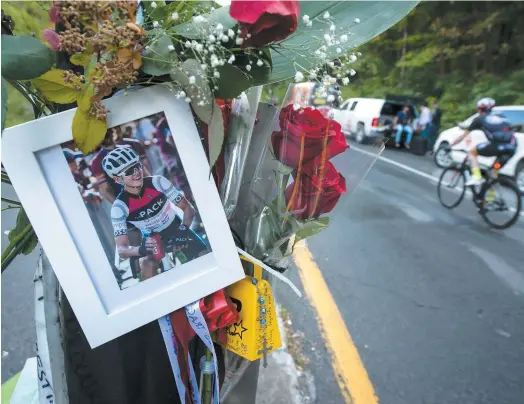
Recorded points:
(133,230)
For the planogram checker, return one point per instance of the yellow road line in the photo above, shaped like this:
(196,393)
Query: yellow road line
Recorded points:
(351,376)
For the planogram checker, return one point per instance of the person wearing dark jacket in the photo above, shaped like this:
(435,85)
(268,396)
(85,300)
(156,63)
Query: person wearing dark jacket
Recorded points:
(435,125)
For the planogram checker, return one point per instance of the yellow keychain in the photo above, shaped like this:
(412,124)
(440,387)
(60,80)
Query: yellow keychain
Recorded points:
(256,334)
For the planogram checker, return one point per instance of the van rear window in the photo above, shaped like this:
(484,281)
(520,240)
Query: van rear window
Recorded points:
(392,109)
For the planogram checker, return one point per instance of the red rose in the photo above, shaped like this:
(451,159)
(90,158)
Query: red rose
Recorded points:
(306,135)
(265,21)
(316,192)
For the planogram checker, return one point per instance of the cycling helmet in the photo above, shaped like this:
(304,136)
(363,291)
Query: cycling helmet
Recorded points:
(119,159)
(485,104)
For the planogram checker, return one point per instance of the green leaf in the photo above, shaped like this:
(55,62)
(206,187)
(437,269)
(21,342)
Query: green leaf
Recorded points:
(198,91)
(25,57)
(80,59)
(55,89)
(164,59)
(216,134)
(232,82)
(84,101)
(192,30)
(4,101)
(88,132)
(30,244)
(375,18)
(311,228)
(21,223)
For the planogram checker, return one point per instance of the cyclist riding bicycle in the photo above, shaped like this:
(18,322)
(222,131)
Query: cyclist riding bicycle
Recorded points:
(501,140)
(148,203)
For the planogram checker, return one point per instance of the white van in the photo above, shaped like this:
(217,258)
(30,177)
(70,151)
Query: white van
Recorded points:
(366,118)
(513,168)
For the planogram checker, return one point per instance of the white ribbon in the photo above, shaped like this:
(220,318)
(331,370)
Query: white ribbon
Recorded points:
(172,352)
(271,271)
(198,323)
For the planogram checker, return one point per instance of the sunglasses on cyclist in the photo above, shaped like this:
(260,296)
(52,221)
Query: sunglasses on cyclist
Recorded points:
(132,170)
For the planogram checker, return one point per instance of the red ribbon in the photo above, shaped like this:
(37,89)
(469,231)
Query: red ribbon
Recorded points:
(219,312)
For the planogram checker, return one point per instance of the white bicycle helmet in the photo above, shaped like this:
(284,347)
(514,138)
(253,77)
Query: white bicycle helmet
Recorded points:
(118,160)
(485,104)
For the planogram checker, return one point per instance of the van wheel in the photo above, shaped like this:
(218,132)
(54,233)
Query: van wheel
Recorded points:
(360,136)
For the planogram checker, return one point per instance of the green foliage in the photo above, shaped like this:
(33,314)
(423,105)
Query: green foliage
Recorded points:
(455,52)
(25,57)
(30,17)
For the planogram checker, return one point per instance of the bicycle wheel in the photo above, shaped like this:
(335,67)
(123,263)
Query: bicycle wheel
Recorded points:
(501,203)
(451,187)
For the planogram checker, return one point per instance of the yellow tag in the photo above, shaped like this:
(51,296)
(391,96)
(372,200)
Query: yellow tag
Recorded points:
(246,338)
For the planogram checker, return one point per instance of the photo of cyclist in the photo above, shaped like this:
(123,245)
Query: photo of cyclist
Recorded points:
(152,205)
(142,209)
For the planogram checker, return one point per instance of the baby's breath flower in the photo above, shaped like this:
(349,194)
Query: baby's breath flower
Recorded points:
(203,66)
(327,38)
(188,100)
(171,48)
(331,64)
(359,54)
(174,16)
(155,24)
(230,33)
(248,36)
(259,62)
(211,38)
(333,28)
(309,24)
(219,27)
(305,18)
(339,50)
(188,44)
(198,19)
(212,48)
(231,59)
(345,81)
(357,20)
(239,41)
(192,79)
(153,4)
(326,15)
(225,38)
(199,47)
(343,38)
(352,72)
(299,77)
(352,58)
(216,74)
(248,68)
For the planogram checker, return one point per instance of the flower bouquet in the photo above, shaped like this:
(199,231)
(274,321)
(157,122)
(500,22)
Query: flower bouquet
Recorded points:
(274,168)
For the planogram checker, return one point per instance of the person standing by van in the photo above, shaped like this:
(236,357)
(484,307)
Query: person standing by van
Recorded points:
(402,123)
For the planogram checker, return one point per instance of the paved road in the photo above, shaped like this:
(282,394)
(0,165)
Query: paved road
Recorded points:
(18,331)
(433,300)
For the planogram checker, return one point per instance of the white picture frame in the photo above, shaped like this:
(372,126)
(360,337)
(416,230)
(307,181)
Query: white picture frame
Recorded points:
(33,158)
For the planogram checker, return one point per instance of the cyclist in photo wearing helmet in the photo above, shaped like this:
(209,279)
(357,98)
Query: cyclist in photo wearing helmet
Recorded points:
(148,203)
(498,131)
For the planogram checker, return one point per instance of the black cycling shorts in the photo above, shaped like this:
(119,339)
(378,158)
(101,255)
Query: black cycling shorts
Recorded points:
(504,151)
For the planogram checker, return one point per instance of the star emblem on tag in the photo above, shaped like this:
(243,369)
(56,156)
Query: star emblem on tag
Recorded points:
(237,329)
